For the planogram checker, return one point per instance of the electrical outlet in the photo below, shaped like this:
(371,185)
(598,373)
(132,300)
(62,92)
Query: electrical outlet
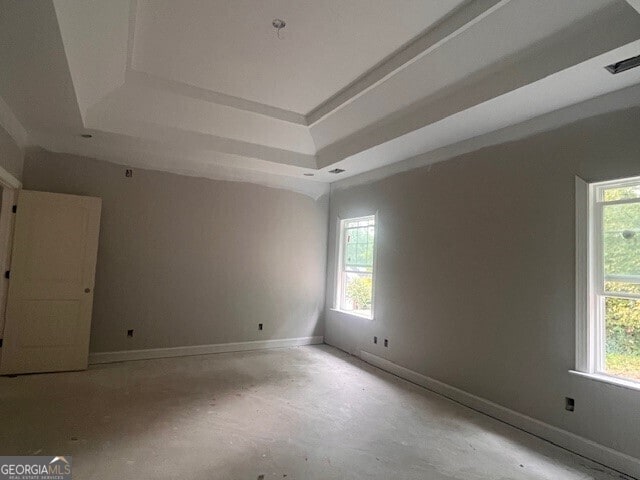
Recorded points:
(130,333)
(259,326)
(375,339)
(569,404)
(386,342)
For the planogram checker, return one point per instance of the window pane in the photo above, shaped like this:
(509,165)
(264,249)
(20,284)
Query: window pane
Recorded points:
(622,326)
(350,235)
(358,251)
(358,293)
(350,254)
(621,236)
(621,193)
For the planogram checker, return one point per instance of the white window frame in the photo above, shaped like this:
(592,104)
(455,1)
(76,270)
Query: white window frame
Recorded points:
(340,264)
(589,279)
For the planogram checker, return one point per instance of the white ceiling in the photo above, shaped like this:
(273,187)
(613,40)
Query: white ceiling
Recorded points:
(207,88)
(232,48)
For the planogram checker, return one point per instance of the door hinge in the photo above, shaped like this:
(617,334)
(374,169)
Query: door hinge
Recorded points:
(14,209)
(7,274)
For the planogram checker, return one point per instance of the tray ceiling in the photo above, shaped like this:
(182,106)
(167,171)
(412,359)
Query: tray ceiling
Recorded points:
(232,47)
(208,88)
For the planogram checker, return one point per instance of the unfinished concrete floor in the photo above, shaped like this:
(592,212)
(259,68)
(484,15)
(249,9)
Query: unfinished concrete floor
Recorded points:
(296,413)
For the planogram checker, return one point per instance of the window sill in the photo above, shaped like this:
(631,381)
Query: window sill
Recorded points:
(620,382)
(351,314)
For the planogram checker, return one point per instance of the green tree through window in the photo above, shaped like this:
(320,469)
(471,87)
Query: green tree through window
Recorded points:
(621,252)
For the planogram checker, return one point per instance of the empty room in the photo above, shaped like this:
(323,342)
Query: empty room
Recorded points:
(320,239)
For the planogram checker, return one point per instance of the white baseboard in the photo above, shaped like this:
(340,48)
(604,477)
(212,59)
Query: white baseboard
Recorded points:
(606,456)
(124,355)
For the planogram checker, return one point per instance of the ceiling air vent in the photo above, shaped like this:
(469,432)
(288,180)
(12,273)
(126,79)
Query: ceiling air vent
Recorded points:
(624,65)
(336,170)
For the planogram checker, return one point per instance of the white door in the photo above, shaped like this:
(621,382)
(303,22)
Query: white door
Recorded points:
(50,298)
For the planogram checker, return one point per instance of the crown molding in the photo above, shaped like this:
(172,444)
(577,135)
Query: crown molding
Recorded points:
(180,88)
(450,27)
(619,100)
(144,79)
(177,161)
(553,71)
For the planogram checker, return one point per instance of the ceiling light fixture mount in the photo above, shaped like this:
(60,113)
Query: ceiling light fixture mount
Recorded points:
(278,24)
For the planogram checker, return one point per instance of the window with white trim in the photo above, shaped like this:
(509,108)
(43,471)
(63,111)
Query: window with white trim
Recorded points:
(356,266)
(608,278)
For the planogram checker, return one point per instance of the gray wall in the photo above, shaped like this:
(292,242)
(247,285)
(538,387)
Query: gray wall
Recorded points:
(190,261)
(11,156)
(476,274)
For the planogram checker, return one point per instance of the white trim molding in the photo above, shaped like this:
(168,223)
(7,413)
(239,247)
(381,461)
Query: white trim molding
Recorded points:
(591,278)
(8,180)
(635,4)
(453,25)
(126,355)
(341,268)
(12,125)
(584,334)
(582,446)
(619,382)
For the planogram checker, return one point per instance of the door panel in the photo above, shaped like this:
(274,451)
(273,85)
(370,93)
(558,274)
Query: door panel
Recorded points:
(49,323)
(51,287)
(53,255)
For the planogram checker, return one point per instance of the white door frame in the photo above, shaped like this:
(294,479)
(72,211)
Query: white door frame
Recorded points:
(9,186)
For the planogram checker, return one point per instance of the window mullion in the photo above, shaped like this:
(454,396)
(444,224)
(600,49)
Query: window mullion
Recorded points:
(625,201)
(628,296)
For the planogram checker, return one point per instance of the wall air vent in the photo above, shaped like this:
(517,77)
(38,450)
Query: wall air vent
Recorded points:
(624,65)
(336,170)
